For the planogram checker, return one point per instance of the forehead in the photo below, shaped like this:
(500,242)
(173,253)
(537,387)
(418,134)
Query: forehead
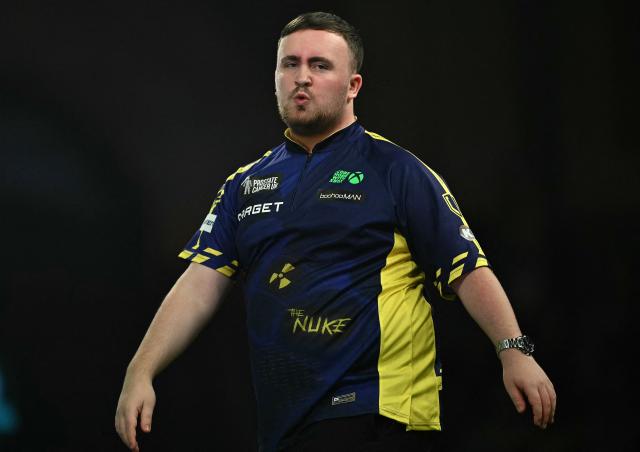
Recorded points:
(312,43)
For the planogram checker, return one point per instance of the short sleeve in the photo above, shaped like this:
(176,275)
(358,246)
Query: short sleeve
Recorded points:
(428,215)
(213,244)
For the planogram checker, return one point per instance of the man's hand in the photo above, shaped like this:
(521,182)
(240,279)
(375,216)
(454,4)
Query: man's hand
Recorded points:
(525,381)
(485,300)
(137,399)
(187,307)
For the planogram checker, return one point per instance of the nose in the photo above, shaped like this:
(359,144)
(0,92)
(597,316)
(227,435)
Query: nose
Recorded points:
(303,77)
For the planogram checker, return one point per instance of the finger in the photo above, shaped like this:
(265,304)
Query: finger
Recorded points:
(120,428)
(516,398)
(545,399)
(130,432)
(552,395)
(147,415)
(536,405)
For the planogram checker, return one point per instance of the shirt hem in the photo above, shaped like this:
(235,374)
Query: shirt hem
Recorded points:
(405,420)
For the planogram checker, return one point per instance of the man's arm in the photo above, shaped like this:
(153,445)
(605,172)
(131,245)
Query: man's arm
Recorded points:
(486,302)
(187,307)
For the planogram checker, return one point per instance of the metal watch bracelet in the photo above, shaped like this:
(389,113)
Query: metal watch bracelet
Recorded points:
(522,343)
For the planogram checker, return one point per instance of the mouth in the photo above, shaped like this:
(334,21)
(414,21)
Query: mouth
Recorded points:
(301,98)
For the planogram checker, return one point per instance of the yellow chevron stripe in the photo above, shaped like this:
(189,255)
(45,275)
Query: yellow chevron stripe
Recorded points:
(226,270)
(441,292)
(481,262)
(200,259)
(185,254)
(459,257)
(455,273)
(212,251)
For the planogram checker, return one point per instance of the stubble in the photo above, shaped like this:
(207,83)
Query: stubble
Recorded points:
(317,120)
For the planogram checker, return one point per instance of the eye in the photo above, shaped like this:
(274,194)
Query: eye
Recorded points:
(321,66)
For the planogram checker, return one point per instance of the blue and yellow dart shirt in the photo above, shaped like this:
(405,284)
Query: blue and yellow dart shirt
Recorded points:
(335,249)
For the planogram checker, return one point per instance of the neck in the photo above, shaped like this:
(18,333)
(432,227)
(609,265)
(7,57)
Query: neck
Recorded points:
(310,141)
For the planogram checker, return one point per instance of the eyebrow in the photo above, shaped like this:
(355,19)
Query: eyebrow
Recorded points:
(296,59)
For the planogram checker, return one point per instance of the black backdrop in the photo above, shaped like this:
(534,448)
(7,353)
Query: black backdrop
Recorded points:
(119,121)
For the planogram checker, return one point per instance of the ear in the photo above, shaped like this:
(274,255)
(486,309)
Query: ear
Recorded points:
(355,83)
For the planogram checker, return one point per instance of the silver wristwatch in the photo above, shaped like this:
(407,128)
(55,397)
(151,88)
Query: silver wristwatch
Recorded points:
(522,343)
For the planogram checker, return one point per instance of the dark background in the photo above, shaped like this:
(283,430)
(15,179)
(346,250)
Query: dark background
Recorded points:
(119,121)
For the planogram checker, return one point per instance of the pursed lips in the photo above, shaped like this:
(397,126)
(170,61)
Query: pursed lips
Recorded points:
(301,97)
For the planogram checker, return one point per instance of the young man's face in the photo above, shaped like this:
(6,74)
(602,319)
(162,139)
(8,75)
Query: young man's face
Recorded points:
(314,82)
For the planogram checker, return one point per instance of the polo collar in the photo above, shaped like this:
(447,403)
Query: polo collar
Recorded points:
(344,135)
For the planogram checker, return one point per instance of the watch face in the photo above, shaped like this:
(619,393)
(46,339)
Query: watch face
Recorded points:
(526,345)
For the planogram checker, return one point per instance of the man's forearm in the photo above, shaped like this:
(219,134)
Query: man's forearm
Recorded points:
(525,381)
(185,310)
(487,303)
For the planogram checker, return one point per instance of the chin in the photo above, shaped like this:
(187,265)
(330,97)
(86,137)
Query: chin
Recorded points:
(311,127)
(301,119)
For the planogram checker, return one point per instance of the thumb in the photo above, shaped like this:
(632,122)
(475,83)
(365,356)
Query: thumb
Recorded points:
(146,415)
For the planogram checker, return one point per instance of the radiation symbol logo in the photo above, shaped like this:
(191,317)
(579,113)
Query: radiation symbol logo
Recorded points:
(280,277)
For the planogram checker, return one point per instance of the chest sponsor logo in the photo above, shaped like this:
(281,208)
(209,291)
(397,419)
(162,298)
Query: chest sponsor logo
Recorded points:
(303,323)
(340,195)
(351,177)
(262,208)
(253,185)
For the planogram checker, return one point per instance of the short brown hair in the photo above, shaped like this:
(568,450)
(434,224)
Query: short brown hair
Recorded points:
(331,23)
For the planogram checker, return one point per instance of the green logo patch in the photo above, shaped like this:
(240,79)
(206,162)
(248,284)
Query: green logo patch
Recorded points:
(353,177)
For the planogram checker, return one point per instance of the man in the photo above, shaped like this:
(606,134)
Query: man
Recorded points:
(338,233)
